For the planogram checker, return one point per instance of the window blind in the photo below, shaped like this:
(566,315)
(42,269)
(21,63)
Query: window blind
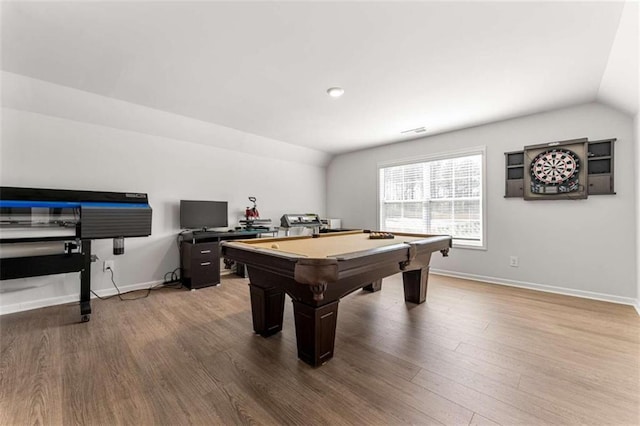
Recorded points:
(442,196)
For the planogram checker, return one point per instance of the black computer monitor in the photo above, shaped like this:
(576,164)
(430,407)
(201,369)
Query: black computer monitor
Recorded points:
(196,214)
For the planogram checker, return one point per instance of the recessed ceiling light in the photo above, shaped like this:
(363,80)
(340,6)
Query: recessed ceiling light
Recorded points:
(335,92)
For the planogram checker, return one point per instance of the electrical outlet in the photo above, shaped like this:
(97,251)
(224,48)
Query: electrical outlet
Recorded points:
(513,261)
(108,264)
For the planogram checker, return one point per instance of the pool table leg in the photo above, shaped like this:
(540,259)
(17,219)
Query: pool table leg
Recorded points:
(415,285)
(315,331)
(374,286)
(267,308)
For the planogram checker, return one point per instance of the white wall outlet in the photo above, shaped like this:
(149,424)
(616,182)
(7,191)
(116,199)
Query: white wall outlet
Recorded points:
(108,264)
(513,261)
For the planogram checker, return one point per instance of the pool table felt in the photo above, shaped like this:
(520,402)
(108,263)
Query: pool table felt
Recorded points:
(329,246)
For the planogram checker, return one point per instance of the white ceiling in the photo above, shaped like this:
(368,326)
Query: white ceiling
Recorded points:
(264,67)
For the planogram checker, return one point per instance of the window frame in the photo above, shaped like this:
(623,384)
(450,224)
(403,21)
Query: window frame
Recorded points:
(478,150)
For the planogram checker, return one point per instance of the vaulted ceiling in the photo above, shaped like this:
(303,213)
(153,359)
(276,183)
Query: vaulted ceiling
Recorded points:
(264,67)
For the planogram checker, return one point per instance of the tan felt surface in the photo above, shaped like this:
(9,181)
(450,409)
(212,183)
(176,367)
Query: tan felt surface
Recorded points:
(330,246)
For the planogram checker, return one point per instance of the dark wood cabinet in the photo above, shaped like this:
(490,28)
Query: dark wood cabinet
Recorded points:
(200,264)
(514,173)
(599,169)
(200,255)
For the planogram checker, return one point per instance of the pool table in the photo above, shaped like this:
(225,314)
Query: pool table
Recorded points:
(316,271)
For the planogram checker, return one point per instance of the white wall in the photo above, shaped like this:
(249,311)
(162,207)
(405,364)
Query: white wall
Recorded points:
(583,247)
(619,84)
(42,150)
(637,210)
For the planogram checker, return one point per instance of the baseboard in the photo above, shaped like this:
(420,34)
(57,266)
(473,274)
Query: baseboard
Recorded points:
(61,300)
(36,304)
(542,287)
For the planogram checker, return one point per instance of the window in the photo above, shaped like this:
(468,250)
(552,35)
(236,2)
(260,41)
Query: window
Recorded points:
(436,195)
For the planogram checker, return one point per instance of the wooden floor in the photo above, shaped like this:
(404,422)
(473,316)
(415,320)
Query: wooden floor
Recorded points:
(473,354)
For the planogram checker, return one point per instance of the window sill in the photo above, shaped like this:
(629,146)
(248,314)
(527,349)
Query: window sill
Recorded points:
(478,246)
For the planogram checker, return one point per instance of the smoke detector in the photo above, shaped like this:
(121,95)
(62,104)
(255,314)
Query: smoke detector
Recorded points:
(417,130)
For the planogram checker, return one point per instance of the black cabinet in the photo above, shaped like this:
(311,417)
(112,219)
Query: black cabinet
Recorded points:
(200,264)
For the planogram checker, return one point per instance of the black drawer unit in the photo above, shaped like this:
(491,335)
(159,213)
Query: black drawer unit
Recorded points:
(200,264)
(200,255)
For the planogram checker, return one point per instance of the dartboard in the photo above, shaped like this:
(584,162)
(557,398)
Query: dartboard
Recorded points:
(555,166)
(556,170)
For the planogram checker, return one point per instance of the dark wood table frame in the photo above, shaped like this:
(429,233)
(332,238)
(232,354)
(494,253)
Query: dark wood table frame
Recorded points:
(316,286)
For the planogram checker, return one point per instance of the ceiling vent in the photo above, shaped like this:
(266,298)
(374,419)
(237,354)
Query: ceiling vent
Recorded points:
(417,130)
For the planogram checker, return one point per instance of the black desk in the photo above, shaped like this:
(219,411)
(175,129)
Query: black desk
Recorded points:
(200,255)
(209,236)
